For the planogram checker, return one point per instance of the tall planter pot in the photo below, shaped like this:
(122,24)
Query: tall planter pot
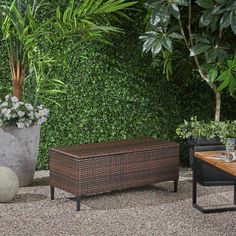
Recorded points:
(19,151)
(206,174)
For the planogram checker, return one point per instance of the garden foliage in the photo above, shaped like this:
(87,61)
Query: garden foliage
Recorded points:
(113,93)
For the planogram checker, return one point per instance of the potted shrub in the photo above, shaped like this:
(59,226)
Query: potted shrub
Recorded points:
(206,29)
(28,28)
(212,135)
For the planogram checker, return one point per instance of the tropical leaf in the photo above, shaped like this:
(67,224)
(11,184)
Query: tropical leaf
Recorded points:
(207,4)
(198,49)
(205,18)
(174,9)
(226,77)
(167,66)
(175,35)
(233,22)
(211,55)
(81,18)
(200,38)
(225,21)
(167,43)
(181,2)
(213,73)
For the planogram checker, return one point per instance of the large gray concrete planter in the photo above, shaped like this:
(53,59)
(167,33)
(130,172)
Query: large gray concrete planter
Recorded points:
(19,151)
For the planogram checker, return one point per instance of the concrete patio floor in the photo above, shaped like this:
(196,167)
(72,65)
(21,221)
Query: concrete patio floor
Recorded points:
(150,210)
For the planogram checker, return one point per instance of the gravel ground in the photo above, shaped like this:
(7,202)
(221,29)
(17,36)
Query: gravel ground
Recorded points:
(152,210)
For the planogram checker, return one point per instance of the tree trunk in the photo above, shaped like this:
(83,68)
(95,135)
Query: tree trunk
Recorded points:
(218,103)
(17,89)
(18,76)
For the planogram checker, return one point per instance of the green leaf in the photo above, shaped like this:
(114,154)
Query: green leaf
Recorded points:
(175,35)
(207,4)
(54,91)
(164,15)
(233,22)
(226,77)
(155,18)
(213,72)
(198,49)
(225,21)
(232,85)
(58,12)
(167,43)
(174,9)
(211,55)
(181,2)
(222,76)
(167,65)
(230,63)
(222,2)
(147,45)
(200,39)
(157,46)
(205,18)
(217,10)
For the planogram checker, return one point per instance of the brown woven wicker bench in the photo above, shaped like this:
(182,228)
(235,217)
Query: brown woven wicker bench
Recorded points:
(90,169)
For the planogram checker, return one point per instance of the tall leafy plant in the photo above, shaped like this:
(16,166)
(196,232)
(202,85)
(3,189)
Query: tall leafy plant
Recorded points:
(206,28)
(28,27)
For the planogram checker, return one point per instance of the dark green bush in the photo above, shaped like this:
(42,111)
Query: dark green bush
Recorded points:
(113,93)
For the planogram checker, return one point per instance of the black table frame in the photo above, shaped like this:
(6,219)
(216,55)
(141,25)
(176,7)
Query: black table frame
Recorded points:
(194,188)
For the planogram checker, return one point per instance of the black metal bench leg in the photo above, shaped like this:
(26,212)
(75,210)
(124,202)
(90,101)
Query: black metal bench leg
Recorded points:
(52,191)
(175,185)
(78,203)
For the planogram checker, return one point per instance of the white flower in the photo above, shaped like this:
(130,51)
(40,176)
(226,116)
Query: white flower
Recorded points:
(31,115)
(37,115)
(29,122)
(14,115)
(7,97)
(41,120)
(46,111)
(15,106)
(4,111)
(7,113)
(20,125)
(29,107)
(14,99)
(40,107)
(21,113)
(4,104)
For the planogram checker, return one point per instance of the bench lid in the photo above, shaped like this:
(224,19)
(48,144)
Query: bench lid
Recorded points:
(113,147)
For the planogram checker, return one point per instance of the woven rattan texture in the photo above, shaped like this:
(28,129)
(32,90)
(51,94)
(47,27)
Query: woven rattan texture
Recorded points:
(99,174)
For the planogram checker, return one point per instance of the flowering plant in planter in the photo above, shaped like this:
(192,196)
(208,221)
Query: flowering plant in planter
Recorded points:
(14,112)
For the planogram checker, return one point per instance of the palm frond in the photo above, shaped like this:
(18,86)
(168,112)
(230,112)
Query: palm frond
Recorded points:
(90,16)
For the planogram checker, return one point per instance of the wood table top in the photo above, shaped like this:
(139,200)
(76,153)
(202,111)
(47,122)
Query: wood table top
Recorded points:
(208,157)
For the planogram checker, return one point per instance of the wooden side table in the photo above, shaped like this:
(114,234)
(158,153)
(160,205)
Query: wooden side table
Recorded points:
(208,157)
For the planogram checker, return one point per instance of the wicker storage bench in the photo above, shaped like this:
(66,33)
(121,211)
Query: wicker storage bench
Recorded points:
(90,169)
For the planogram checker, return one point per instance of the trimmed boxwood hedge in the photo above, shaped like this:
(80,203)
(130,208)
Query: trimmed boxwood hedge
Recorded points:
(113,92)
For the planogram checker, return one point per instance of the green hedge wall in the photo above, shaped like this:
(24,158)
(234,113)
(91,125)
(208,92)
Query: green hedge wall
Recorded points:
(114,93)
